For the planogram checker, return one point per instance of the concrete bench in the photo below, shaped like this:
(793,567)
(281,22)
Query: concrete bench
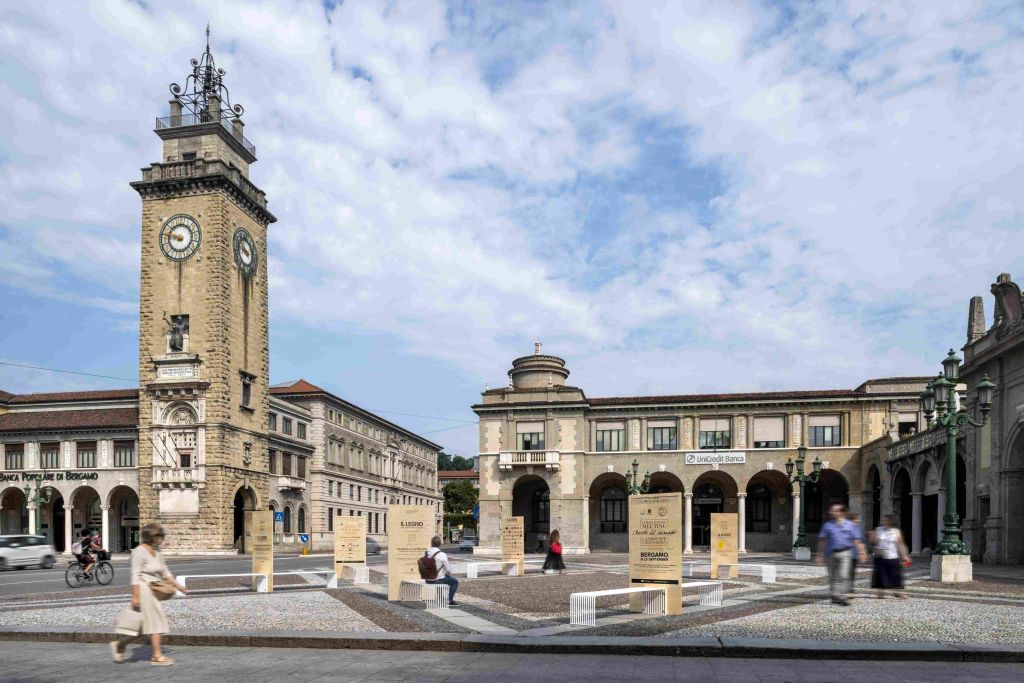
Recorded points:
(359,573)
(709,592)
(473,568)
(583,606)
(415,590)
(767,570)
(261,587)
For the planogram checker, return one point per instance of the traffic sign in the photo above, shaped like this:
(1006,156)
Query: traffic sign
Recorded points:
(303,538)
(476,512)
(278,516)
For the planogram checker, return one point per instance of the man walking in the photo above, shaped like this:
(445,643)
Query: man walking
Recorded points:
(836,544)
(442,569)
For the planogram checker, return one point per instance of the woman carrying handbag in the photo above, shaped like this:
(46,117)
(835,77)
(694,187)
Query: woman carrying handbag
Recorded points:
(152,583)
(553,562)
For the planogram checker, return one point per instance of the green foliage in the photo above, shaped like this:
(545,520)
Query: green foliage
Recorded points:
(460,497)
(446,461)
(464,519)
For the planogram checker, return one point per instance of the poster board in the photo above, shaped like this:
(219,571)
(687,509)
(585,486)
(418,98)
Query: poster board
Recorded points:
(724,538)
(656,547)
(410,528)
(512,541)
(262,526)
(349,542)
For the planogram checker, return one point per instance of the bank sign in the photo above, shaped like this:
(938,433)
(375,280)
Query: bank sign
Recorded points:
(48,476)
(705,458)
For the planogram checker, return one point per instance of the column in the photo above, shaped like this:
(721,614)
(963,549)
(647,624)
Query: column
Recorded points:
(741,500)
(796,515)
(68,514)
(941,512)
(688,524)
(915,531)
(31,519)
(106,527)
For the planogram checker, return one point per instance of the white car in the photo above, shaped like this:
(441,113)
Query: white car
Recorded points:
(467,542)
(26,551)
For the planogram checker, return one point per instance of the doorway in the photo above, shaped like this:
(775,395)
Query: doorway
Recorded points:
(707,499)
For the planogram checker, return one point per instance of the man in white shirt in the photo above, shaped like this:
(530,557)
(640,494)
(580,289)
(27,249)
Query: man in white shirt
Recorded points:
(444,569)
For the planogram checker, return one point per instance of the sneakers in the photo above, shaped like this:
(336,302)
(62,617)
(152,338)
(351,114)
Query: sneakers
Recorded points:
(454,604)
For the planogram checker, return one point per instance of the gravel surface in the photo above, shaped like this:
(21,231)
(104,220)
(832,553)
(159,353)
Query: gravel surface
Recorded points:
(393,616)
(300,611)
(868,619)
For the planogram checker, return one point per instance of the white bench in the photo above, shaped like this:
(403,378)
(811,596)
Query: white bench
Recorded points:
(473,568)
(261,587)
(360,573)
(583,606)
(414,590)
(688,567)
(709,592)
(767,570)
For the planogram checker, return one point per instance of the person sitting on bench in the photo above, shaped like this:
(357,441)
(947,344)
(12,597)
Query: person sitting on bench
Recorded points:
(434,568)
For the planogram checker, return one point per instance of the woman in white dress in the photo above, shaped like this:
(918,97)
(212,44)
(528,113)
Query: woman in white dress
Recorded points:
(148,566)
(890,553)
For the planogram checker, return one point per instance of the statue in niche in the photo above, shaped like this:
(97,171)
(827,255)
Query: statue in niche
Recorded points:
(178,325)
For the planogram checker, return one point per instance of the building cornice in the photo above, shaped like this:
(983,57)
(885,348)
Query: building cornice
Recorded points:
(197,177)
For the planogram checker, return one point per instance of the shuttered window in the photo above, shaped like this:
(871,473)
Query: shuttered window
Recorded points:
(769,432)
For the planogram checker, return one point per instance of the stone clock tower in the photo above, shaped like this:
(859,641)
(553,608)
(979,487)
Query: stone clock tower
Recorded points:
(203,344)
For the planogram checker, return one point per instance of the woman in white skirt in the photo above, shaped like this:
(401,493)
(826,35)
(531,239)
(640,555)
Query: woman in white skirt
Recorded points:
(148,566)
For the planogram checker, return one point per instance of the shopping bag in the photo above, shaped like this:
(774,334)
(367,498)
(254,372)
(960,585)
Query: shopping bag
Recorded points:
(128,622)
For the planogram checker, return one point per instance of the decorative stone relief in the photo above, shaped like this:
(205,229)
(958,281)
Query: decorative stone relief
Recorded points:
(796,433)
(634,435)
(687,432)
(741,431)
(67,455)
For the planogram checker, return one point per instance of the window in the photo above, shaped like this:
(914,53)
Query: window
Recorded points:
(124,454)
(359,493)
(188,156)
(302,430)
(351,491)
(273,422)
(330,488)
(286,425)
(661,435)
(85,454)
(613,511)
(541,505)
(759,509)
(611,436)
(14,457)
(302,520)
(247,390)
(273,462)
(823,430)
(330,519)
(287,519)
(376,522)
(769,432)
(49,456)
(302,467)
(530,436)
(286,464)
(715,433)
(907,424)
(385,522)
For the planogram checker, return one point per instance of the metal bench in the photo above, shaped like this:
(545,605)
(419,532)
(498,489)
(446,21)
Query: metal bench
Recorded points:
(473,568)
(359,573)
(709,592)
(583,606)
(415,590)
(767,570)
(688,566)
(261,587)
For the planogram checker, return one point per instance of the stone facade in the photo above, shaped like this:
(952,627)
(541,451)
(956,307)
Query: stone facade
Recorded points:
(557,457)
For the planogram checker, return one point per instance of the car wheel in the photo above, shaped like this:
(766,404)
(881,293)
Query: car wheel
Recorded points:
(3,564)
(47,562)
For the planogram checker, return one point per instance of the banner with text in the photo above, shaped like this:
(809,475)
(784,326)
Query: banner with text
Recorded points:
(410,528)
(349,542)
(512,541)
(261,524)
(656,547)
(724,538)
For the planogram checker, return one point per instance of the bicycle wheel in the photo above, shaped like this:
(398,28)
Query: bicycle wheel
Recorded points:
(104,573)
(74,576)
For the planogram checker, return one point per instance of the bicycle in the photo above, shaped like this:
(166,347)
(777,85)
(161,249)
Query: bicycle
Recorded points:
(102,572)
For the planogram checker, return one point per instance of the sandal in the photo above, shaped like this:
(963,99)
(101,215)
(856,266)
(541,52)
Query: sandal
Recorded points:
(117,654)
(162,660)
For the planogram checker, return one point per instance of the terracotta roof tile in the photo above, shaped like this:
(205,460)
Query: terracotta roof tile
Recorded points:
(701,398)
(299,386)
(99,395)
(5,396)
(94,418)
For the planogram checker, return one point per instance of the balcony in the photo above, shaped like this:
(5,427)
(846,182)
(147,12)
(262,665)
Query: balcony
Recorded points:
(196,168)
(286,483)
(508,460)
(918,443)
(186,119)
(179,477)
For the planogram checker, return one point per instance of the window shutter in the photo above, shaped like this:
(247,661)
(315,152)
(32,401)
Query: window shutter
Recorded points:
(604,426)
(529,427)
(658,424)
(769,428)
(823,421)
(715,424)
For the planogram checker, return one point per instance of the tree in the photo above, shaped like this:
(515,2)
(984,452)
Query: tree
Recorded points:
(448,462)
(460,497)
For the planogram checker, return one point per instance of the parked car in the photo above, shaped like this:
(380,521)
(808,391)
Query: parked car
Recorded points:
(372,547)
(468,541)
(26,551)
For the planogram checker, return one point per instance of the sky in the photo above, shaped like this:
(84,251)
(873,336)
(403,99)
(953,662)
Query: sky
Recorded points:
(674,197)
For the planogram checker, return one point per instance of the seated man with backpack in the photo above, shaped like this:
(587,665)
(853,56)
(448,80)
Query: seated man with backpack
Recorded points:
(434,568)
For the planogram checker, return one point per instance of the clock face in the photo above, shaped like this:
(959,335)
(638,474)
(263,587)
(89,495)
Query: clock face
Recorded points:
(180,237)
(245,252)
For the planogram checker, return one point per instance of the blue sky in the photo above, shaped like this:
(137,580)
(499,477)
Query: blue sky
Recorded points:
(674,197)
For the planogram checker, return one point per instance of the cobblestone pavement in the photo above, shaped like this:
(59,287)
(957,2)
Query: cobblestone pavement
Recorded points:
(66,662)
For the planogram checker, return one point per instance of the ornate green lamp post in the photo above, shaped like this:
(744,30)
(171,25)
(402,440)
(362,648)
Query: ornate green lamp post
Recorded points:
(633,483)
(36,500)
(801,549)
(952,561)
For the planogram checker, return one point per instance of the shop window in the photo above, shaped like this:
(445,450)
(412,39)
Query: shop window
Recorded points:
(759,509)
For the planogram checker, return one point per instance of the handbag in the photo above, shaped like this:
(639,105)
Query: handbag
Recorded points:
(163,589)
(128,622)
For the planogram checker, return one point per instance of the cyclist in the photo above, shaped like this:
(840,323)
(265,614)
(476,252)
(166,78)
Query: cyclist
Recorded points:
(85,550)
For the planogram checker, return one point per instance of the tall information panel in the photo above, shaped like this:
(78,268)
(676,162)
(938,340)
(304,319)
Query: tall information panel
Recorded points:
(410,528)
(656,547)
(512,542)
(724,537)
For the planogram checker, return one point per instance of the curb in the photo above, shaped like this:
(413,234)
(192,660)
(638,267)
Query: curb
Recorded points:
(583,645)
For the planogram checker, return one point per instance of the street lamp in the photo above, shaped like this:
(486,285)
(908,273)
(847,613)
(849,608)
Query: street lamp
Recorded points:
(632,479)
(801,549)
(953,421)
(37,500)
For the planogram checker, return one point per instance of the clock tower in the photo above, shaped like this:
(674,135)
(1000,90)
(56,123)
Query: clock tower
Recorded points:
(203,331)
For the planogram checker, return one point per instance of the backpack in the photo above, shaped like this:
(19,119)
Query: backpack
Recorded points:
(77,548)
(427,566)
